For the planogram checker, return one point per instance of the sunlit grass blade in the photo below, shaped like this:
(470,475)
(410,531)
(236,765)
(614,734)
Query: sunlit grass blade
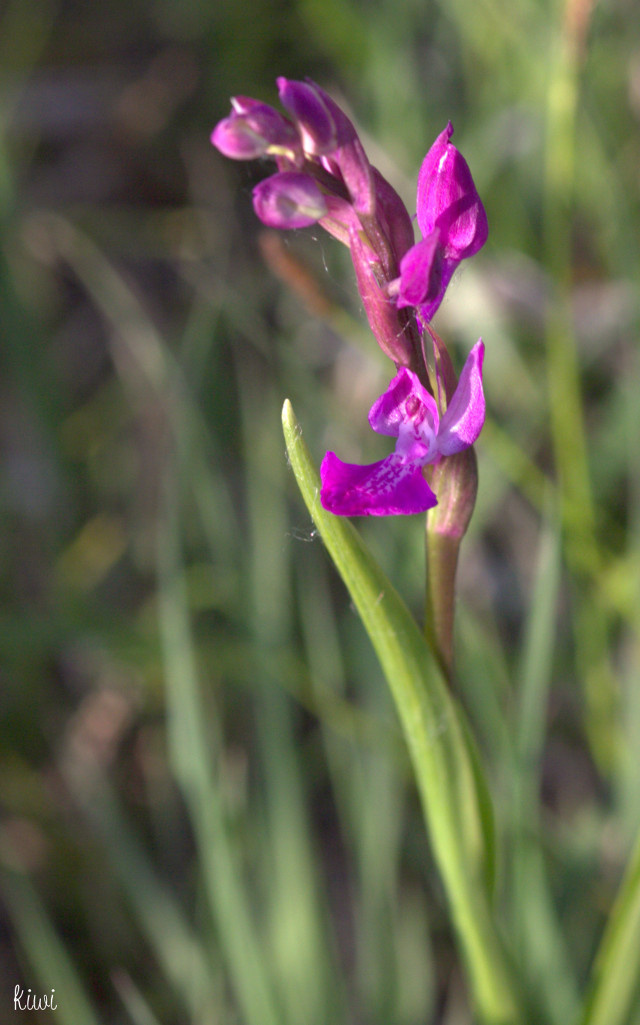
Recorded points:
(453,791)
(310,986)
(137,1007)
(178,949)
(52,963)
(543,955)
(615,987)
(194,751)
(565,389)
(537,656)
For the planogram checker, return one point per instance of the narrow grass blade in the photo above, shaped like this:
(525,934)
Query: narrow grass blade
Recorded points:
(135,1003)
(543,954)
(51,962)
(179,950)
(192,749)
(615,987)
(309,986)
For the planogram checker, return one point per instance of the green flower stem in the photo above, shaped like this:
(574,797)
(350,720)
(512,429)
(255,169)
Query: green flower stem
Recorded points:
(442,562)
(454,793)
(455,481)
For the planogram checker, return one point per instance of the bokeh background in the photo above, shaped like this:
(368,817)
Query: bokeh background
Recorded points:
(207,810)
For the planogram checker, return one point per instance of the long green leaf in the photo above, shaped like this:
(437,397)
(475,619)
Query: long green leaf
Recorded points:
(448,774)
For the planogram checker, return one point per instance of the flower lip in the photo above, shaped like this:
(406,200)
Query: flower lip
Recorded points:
(390,487)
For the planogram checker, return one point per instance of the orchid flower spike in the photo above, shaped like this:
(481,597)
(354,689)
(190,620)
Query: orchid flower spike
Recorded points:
(324,176)
(396,485)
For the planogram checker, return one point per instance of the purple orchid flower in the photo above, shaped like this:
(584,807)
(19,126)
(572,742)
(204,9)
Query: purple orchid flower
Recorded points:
(453,223)
(396,485)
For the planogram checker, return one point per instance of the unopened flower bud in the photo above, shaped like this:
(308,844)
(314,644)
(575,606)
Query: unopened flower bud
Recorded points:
(322,125)
(289,200)
(453,224)
(255,129)
(328,133)
(448,200)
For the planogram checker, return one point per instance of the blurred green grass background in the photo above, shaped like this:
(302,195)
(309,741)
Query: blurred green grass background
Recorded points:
(207,811)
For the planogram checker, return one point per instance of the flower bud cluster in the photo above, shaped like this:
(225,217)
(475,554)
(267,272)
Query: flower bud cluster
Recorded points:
(324,176)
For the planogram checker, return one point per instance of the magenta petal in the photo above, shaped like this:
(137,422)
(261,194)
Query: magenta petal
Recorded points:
(289,200)
(429,308)
(421,272)
(432,171)
(324,127)
(391,487)
(254,129)
(464,417)
(405,402)
(317,127)
(236,139)
(448,200)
